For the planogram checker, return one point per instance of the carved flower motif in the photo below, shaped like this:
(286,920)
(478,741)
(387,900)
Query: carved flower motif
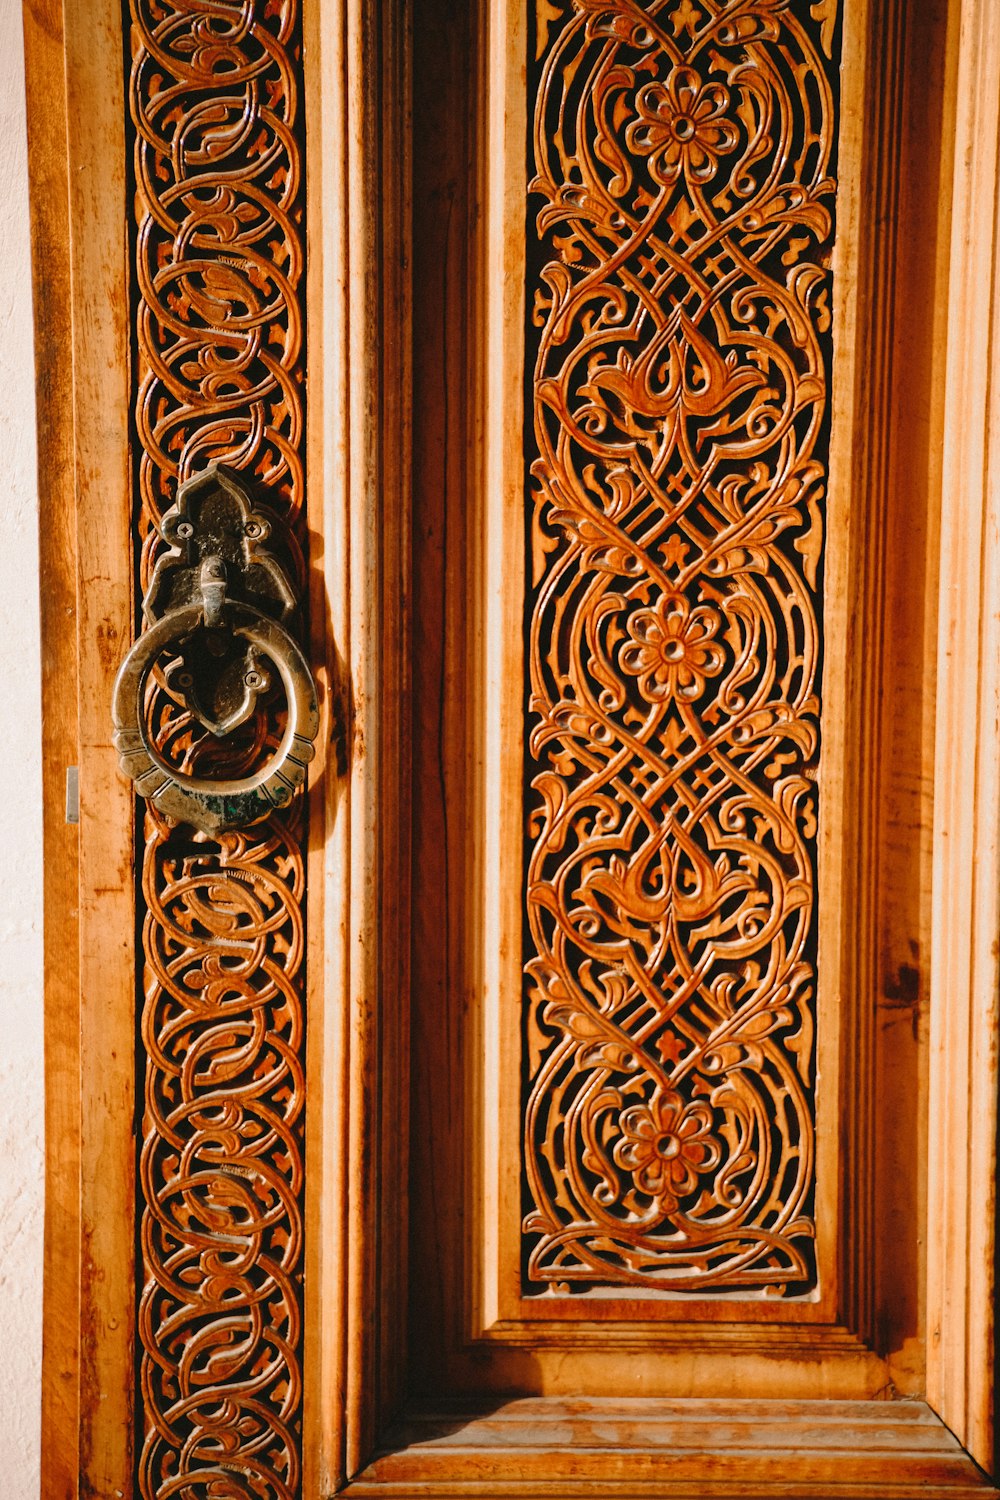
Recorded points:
(681,127)
(671,648)
(667,1145)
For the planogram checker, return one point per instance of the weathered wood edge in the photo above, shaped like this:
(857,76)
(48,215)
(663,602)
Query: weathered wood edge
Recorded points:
(966,890)
(100,281)
(49,184)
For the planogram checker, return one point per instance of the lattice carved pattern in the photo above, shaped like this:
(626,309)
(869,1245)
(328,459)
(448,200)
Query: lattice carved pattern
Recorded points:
(678,329)
(218,234)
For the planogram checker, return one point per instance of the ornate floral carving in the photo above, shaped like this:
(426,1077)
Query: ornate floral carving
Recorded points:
(671,649)
(218,240)
(682,127)
(220,1168)
(679,338)
(666,1145)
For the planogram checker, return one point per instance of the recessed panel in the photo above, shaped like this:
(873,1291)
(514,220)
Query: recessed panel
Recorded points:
(680,217)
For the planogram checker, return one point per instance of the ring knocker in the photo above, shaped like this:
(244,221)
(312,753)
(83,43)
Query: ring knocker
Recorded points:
(216,598)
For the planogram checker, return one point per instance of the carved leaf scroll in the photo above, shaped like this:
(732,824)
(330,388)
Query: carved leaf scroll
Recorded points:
(678,332)
(218,241)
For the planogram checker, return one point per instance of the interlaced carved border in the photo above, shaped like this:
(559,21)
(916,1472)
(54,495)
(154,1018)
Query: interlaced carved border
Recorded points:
(678,329)
(218,245)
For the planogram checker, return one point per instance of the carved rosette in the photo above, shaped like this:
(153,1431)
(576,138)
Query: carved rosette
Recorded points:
(678,333)
(214,93)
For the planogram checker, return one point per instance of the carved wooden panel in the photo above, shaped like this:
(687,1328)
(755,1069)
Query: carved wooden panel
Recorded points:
(218,245)
(680,226)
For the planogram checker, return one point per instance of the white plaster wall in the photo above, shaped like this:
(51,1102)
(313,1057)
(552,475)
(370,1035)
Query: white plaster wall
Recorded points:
(20,828)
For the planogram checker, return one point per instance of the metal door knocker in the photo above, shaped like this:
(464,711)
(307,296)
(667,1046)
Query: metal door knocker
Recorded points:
(214,609)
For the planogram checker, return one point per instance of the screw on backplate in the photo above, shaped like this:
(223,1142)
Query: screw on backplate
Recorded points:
(185,530)
(255,679)
(255,529)
(184,679)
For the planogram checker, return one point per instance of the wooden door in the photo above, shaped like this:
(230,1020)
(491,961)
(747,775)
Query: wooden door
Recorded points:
(587,1085)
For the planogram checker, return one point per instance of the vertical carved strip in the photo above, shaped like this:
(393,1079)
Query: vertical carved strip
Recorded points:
(678,336)
(218,245)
